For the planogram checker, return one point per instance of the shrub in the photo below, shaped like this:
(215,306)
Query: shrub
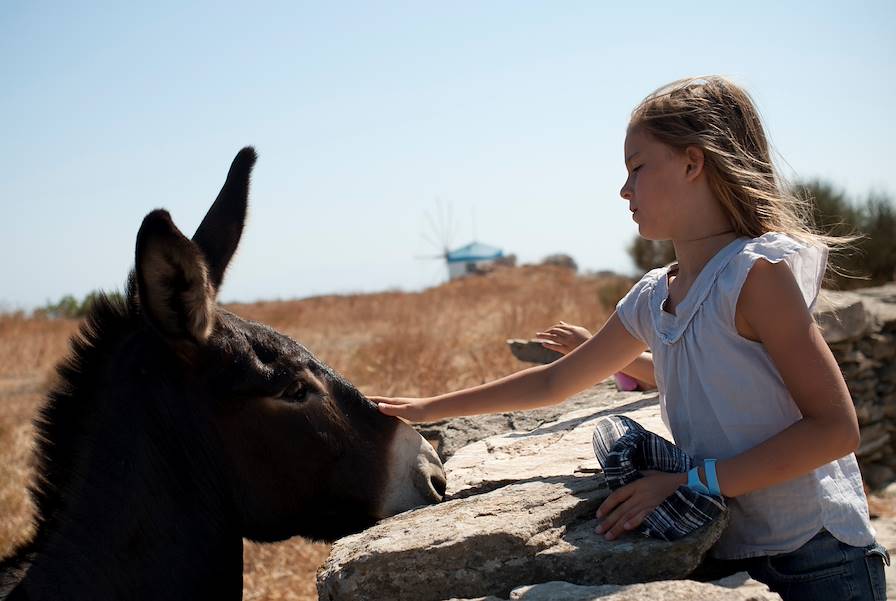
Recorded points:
(869,261)
(68,306)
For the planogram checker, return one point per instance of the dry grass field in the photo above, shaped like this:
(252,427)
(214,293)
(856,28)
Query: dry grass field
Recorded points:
(390,343)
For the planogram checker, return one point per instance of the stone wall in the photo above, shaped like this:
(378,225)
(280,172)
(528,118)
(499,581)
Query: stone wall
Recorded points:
(860,328)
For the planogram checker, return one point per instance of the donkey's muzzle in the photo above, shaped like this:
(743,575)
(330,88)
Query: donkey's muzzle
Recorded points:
(416,476)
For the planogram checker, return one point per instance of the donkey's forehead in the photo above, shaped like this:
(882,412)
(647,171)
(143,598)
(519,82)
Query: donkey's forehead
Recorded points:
(236,328)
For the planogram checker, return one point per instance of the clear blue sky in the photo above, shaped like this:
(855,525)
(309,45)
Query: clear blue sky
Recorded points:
(363,114)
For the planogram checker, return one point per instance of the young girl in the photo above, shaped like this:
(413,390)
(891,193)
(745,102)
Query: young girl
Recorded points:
(743,372)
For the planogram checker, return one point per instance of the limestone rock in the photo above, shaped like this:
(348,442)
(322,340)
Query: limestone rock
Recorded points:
(558,448)
(881,303)
(738,587)
(521,511)
(491,543)
(532,352)
(877,476)
(452,434)
(841,316)
(871,445)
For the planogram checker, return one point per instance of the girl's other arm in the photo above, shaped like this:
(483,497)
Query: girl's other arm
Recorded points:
(564,338)
(641,369)
(599,357)
(772,310)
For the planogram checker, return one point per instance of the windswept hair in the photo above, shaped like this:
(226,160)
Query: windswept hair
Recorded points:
(719,117)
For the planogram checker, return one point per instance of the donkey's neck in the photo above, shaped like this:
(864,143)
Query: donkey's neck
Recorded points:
(145,515)
(170,554)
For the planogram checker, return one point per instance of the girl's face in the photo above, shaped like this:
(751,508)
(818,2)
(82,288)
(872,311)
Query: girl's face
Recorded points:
(656,185)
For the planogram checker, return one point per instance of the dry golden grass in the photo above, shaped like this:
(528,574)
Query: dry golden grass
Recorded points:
(390,343)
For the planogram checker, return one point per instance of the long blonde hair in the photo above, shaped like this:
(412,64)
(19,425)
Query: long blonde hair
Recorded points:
(719,117)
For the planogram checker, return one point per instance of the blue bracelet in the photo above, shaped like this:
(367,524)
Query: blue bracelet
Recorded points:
(694,482)
(709,466)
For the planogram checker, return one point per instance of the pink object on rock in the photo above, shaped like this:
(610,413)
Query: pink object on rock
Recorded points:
(624,382)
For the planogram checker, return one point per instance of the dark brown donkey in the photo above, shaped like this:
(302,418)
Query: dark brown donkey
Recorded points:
(178,428)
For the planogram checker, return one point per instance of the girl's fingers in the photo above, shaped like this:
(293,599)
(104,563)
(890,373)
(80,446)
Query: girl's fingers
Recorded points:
(394,411)
(384,400)
(616,498)
(554,328)
(629,521)
(557,335)
(388,409)
(555,346)
(635,519)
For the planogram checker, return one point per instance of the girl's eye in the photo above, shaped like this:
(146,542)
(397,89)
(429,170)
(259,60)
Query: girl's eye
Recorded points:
(635,170)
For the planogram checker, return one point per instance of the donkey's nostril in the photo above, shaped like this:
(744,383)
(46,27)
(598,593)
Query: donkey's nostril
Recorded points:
(439,484)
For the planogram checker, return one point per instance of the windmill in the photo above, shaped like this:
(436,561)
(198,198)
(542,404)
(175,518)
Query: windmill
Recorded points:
(469,259)
(439,232)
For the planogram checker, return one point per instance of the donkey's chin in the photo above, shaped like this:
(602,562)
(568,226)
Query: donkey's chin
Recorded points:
(416,476)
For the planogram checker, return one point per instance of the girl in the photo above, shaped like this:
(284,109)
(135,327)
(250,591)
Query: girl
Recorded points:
(743,373)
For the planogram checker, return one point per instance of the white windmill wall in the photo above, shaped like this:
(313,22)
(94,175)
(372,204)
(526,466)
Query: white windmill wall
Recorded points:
(456,269)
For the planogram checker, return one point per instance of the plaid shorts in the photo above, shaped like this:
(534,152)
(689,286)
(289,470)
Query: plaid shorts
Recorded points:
(624,448)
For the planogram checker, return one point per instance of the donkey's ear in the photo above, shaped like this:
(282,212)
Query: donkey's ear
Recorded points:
(173,282)
(219,233)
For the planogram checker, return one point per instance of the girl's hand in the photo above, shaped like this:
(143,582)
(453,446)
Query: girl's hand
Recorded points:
(627,507)
(562,337)
(407,409)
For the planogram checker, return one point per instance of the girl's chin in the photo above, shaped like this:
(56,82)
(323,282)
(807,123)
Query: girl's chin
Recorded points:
(648,234)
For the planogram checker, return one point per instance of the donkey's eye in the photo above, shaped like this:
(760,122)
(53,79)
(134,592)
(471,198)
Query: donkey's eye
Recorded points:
(297,392)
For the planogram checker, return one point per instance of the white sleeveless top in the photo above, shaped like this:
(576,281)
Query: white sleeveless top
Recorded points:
(721,394)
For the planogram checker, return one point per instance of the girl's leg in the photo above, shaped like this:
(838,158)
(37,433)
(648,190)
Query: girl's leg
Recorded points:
(826,569)
(715,569)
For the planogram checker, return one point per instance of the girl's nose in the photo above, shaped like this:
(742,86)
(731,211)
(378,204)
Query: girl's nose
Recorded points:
(626,192)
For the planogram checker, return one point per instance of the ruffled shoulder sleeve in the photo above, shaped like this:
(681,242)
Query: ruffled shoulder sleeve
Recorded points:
(634,308)
(806,261)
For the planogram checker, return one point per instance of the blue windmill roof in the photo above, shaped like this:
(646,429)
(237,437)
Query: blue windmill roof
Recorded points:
(474,251)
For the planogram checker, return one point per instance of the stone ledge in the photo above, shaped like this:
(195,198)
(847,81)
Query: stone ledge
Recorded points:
(535,523)
(738,587)
(492,543)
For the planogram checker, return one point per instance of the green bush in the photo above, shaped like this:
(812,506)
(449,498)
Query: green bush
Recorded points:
(69,307)
(650,254)
(869,261)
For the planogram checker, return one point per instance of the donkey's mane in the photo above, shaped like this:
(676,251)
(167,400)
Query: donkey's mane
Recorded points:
(67,414)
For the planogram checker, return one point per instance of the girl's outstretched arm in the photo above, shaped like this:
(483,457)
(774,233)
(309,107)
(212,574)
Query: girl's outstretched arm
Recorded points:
(770,310)
(605,353)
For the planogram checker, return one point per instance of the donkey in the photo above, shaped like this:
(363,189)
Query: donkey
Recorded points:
(178,428)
